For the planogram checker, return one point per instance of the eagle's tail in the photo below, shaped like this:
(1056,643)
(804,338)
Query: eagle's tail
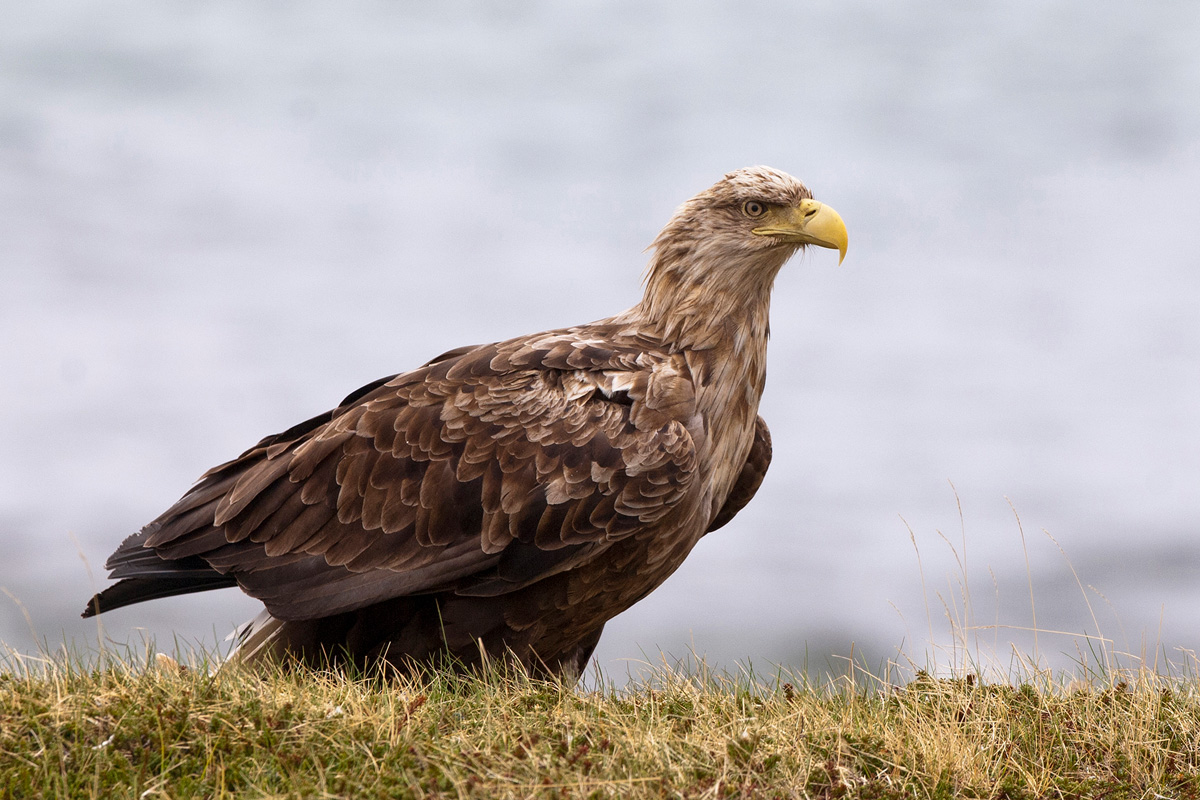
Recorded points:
(255,639)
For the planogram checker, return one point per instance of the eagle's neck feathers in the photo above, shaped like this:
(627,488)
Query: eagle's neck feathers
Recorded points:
(708,294)
(709,300)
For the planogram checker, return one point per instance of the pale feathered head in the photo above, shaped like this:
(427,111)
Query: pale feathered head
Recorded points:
(754,210)
(731,240)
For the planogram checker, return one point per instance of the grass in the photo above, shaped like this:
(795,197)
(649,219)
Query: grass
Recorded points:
(135,725)
(155,729)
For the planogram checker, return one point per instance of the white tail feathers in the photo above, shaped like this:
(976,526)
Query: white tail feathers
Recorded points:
(255,638)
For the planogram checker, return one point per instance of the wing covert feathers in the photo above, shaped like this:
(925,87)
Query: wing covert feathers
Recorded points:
(420,482)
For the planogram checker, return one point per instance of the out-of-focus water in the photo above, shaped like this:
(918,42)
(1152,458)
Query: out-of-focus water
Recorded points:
(217,220)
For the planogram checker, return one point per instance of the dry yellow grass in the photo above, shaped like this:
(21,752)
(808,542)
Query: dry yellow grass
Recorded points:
(157,730)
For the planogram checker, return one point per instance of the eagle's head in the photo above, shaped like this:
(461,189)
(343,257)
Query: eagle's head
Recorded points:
(756,209)
(723,248)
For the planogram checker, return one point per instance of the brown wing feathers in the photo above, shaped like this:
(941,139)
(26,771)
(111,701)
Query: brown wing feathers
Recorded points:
(426,476)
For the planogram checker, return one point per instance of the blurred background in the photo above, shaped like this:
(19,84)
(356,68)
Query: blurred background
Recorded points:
(217,220)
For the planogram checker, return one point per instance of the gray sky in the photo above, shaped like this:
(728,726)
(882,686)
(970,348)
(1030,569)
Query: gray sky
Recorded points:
(216,221)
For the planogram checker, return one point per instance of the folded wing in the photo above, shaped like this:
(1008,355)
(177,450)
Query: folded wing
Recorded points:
(483,472)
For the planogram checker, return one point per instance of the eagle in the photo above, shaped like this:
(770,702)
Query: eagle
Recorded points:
(505,500)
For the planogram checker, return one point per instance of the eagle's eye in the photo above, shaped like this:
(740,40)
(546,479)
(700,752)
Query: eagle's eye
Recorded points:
(753,209)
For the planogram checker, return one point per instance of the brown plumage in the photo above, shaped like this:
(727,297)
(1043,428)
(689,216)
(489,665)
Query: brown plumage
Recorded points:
(506,498)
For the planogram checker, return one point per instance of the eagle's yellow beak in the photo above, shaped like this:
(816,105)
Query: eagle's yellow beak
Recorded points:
(809,222)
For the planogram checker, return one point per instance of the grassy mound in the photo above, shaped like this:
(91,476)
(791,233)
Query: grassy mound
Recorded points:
(155,729)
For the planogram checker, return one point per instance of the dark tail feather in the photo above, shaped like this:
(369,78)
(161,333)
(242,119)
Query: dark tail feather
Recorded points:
(135,590)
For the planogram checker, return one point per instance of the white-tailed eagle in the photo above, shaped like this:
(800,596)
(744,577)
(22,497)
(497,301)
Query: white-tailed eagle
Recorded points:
(507,498)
